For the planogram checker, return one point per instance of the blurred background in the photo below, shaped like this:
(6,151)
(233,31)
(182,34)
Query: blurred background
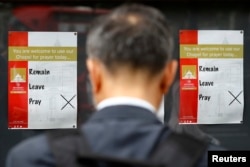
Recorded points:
(75,15)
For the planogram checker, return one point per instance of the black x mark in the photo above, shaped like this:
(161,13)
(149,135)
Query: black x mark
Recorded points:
(235,98)
(68,102)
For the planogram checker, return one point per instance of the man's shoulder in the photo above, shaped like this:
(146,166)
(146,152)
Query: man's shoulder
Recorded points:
(203,162)
(30,151)
(31,144)
(181,143)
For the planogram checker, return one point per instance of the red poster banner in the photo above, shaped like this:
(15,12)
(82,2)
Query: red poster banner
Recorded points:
(18,94)
(188,80)
(188,90)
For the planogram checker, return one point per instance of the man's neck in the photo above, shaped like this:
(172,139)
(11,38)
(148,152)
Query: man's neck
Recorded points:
(128,84)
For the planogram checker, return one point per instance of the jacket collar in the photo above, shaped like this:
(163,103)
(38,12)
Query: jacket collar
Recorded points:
(125,100)
(125,112)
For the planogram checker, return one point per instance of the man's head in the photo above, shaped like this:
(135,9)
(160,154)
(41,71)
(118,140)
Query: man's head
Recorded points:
(129,54)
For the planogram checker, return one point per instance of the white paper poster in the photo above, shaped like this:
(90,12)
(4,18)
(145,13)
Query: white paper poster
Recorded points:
(42,90)
(211,76)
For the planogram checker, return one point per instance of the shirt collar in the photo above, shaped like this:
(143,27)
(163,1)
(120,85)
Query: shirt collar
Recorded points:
(124,100)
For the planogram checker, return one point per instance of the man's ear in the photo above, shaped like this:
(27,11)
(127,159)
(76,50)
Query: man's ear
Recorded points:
(169,75)
(94,74)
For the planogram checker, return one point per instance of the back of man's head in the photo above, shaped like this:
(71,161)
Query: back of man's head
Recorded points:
(132,35)
(132,39)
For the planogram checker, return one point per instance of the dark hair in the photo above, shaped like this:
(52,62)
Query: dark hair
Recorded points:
(135,35)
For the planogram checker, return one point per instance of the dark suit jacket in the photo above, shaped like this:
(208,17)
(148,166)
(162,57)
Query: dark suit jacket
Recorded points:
(120,131)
